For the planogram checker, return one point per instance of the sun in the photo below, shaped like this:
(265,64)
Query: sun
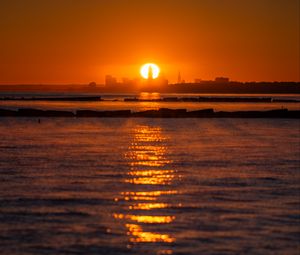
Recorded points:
(150,71)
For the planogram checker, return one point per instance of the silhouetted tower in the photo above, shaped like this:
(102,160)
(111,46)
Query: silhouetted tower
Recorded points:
(179,77)
(150,73)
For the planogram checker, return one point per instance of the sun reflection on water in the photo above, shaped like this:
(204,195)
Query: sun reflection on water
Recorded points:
(148,206)
(151,189)
(139,236)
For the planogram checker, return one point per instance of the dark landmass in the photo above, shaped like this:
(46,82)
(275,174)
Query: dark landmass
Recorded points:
(161,113)
(70,98)
(239,88)
(236,99)
(210,87)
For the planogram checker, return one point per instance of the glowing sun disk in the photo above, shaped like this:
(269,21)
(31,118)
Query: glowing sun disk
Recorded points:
(149,70)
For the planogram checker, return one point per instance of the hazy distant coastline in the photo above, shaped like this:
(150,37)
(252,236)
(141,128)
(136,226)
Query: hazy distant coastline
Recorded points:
(207,87)
(194,99)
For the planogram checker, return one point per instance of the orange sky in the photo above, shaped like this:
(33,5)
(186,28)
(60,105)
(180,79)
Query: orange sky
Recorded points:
(78,41)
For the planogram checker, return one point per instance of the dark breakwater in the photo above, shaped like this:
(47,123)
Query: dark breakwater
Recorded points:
(161,113)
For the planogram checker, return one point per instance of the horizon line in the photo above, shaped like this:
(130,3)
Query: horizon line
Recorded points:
(119,83)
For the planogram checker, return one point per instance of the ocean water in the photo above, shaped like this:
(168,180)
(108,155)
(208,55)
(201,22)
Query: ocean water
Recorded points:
(149,186)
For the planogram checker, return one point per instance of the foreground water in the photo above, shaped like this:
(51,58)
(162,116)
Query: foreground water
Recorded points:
(144,186)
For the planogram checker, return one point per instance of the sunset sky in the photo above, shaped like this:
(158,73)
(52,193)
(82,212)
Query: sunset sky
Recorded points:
(79,41)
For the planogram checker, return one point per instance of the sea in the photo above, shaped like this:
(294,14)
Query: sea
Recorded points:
(148,186)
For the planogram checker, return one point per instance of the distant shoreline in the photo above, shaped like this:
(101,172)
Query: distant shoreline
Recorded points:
(205,87)
(161,113)
(201,99)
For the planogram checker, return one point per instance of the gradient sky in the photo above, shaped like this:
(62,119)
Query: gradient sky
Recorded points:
(78,41)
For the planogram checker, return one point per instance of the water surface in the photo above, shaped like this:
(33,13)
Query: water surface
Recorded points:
(144,186)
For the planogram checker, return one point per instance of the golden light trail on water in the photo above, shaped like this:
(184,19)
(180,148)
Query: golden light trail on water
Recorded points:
(151,178)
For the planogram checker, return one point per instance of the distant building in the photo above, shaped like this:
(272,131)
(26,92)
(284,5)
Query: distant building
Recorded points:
(130,82)
(150,73)
(126,80)
(179,78)
(92,84)
(110,80)
(221,80)
(163,81)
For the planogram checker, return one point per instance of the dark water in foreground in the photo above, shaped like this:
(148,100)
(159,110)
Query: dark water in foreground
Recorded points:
(144,186)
